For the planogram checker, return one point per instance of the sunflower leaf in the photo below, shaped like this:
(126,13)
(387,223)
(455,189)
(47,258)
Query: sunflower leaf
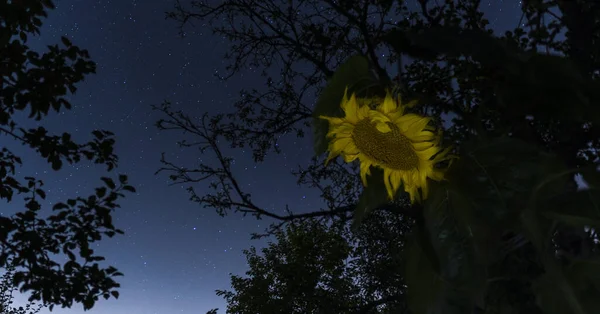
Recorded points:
(497,181)
(424,283)
(579,208)
(583,276)
(373,196)
(453,249)
(570,207)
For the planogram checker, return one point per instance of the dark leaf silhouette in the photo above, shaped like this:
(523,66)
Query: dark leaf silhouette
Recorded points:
(32,82)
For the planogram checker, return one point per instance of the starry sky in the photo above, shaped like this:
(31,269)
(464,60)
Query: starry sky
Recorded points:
(174,253)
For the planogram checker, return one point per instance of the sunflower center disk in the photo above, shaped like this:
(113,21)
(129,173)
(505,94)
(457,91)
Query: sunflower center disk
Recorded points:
(391,149)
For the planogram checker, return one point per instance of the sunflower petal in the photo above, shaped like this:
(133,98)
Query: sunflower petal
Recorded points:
(350,107)
(383,127)
(377,116)
(387,115)
(350,157)
(419,125)
(388,185)
(388,105)
(332,120)
(419,146)
(428,153)
(365,169)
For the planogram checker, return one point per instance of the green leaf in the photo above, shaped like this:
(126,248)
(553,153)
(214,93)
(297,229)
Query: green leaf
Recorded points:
(576,207)
(372,196)
(453,243)
(561,296)
(496,180)
(574,220)
(537,91)
(580,208)
(592,177)
(578,294)
(424,285)
(353,74)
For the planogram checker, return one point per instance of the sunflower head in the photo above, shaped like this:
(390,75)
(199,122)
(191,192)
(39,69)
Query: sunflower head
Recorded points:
(404,145)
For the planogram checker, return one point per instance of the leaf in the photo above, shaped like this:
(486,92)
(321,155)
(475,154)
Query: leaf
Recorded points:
(372,196)
(575,208)
(109,183)
(453,243)
(497,182)
(56,164)
(386,4)
(353,74)
(41,193)
(58,206)
(592,177)
(88,303)
(452,41)
(66,41)
(542,95)
(100,192)
(561,297)
(582,278)
(399,42)
(575,220)
(129,188)
(424,285)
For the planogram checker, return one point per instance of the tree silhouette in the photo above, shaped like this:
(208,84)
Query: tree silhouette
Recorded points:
(312,268)
(6,296)
(523,90)
(37,83)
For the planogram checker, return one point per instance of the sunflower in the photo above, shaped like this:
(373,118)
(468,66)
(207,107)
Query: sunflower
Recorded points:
(405,146)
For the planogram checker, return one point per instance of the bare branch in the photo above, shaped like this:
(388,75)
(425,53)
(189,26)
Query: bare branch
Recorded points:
(228,195)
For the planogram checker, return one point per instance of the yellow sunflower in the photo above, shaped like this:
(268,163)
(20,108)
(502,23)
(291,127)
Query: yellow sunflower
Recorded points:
(405,146)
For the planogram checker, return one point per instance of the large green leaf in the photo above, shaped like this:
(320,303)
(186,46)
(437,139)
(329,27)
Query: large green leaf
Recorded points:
(487,191)
(353,74)
(372,196)
(424,284)
(579,219)
(578,293)
(454,245)
(558,290)
(498,174)
(569,206)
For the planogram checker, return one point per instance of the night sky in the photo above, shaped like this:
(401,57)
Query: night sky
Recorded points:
(174,253)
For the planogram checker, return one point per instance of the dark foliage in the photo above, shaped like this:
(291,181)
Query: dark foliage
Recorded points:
(6,296)
(38,83)
(314,268)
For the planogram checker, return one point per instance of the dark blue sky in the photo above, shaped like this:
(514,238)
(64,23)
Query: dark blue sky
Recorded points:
(174,253)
